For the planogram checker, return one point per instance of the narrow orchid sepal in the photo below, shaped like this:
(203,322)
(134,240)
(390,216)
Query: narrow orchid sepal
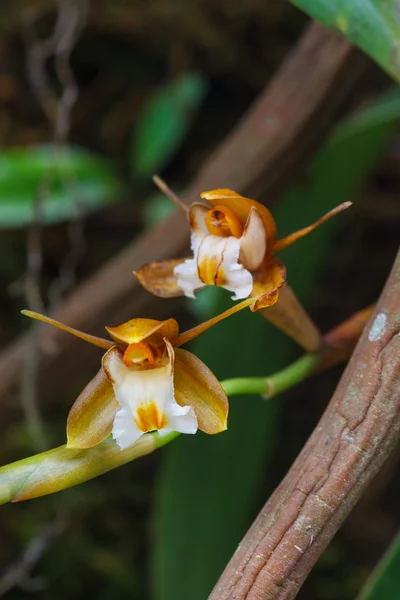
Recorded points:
(293,237)
(92,339)
(191,334)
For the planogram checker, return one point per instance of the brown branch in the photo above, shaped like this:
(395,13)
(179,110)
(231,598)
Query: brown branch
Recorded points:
(348,446)
(297,105)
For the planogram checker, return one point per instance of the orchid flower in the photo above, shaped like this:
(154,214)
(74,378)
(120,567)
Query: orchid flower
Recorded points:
(233,240)
(146,383)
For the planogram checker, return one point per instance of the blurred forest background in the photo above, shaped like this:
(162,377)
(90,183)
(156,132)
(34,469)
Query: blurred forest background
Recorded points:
(95,99)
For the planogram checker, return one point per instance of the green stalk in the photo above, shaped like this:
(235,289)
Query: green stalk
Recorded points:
(63,467)
(274,384)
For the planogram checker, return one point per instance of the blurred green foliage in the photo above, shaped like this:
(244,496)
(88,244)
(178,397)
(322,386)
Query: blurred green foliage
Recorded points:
(69,182)
(165,122)
(384,583)
(373,25)
(157,208)
(209,489)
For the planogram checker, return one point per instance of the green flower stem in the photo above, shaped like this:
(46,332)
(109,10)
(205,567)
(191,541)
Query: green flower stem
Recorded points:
(64,467)
(274,384)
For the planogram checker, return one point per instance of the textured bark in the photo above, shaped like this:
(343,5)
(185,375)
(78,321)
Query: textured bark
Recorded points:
(294,109)
(348,446)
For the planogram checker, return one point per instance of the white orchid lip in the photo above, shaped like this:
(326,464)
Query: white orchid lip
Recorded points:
(223,260)
(145,394)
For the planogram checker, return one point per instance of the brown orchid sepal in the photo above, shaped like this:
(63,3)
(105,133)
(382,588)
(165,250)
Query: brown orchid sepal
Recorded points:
(146,383)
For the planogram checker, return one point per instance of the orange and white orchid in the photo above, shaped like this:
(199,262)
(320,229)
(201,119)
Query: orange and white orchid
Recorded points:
(233,240)
(146,383)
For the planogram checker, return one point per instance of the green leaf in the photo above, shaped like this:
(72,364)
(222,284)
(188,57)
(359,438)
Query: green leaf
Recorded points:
(165,122)
(373,25)
(209,487)
(79,182)
(384,583)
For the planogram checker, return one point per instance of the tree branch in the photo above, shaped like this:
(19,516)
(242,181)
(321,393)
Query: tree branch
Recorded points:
(353,438)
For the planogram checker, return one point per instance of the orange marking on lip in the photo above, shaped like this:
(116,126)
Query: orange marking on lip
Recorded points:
(220,278)
(208,269)
(149,418)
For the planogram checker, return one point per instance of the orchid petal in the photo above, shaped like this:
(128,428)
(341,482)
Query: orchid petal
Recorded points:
(188,273)
(293,237)
(196,386)
(92,339)
(125,431)
(217,263)
(132,393)
(267,282)
(242,206)
(231,275)
(187,276)
(253,242)
(91,417)
(209,258)
(186,336)
(180,418)
(137,330)
(160,278)
(197,218)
